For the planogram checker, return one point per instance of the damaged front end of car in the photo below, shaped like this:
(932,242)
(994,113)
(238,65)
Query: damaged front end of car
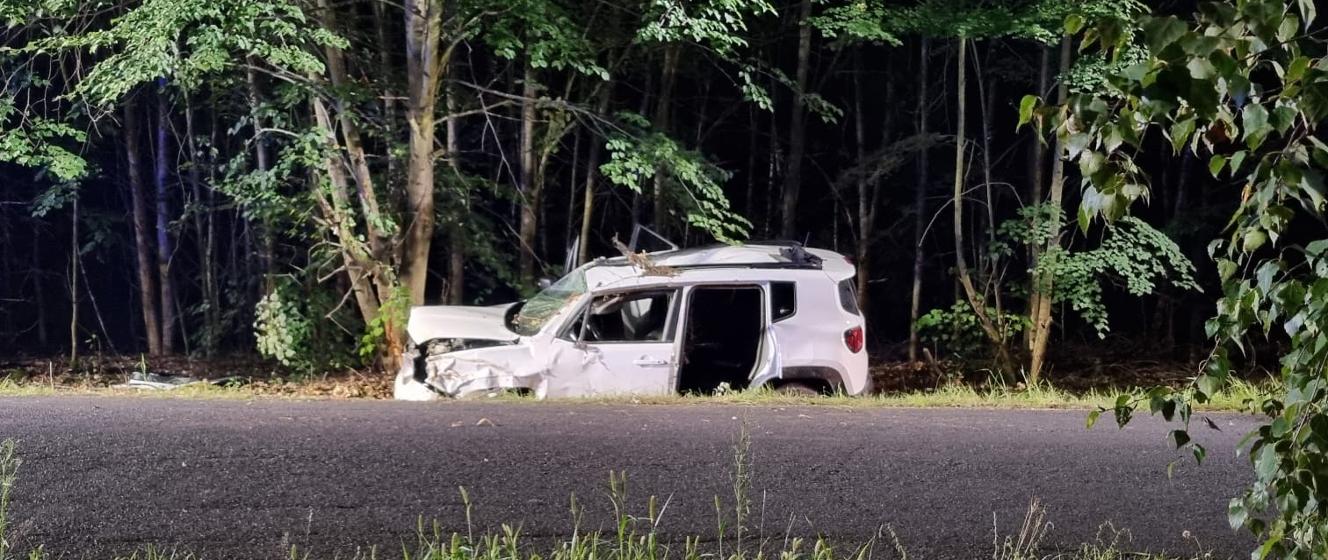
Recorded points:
(465,351)
(459,368)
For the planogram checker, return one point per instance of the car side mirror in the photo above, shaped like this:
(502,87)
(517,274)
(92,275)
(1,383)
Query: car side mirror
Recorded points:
(544,283)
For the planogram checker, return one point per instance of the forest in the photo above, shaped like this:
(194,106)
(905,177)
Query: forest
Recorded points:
(288,177)
(1025,186)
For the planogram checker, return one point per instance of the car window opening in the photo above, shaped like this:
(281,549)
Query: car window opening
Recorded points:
(722,339)
(634,317)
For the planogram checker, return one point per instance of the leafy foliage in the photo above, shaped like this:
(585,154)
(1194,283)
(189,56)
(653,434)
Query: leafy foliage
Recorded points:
(717,24)
(1131,253)
(958,332)
(696,185)
(282,330)
(1244,86)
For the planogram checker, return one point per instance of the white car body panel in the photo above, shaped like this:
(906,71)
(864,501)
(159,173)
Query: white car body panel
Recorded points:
(808,344)
(458,321)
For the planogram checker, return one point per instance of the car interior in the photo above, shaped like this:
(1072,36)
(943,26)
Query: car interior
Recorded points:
(722,338)
(628,317)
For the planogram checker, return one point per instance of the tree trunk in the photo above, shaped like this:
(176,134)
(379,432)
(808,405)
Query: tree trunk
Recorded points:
(753,131)
(360,269)
(164,241)
(529,196)
(661,123)
(797,125)
(424,69)
(975,300)
(865,210)
(379,240)
(1037,171)
(1043,286)
(385,49)
(147,282)
(456,238)
(202,216)
(73,285)
(919,206)
(592,173)
(989,271)
(39,290)
(267,229)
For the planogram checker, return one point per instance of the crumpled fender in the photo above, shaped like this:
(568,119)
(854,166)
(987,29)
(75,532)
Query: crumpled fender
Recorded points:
(484,370)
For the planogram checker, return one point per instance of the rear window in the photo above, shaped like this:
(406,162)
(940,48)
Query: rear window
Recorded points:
(848,296)
(783,300)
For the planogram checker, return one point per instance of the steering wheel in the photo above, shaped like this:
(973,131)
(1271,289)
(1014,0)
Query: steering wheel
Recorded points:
(592,330)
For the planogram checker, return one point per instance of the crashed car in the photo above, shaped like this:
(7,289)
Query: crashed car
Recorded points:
(681,321)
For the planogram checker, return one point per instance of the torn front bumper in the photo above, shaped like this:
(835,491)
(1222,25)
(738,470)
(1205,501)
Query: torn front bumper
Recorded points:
(460,376)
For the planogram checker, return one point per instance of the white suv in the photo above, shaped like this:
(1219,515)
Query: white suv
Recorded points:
(694,320)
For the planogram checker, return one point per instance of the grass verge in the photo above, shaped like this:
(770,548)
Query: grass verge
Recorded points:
(1239,396)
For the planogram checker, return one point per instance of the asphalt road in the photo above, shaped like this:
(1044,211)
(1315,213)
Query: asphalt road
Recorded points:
(245,479)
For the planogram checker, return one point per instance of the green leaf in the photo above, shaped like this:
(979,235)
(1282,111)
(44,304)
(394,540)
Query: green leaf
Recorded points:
(1201,69)
(1179,438)
(1180,133)
(1026,106)
(1254,238)
(1236,159)
(1073,23)
(1266,464)
(1216,164)
(1092,418)
(1161,32)
(1237,513)
(1254,119)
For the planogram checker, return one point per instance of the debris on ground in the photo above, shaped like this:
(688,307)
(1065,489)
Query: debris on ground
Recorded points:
(164,381)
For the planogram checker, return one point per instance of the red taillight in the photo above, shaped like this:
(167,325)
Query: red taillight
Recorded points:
(853,339)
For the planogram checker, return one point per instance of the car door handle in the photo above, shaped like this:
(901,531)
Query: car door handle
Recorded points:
(650,362)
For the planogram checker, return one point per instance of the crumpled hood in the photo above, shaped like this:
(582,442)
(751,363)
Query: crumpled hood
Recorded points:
(453,321)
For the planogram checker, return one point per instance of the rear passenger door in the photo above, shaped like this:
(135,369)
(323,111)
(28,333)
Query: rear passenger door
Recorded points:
(621,343)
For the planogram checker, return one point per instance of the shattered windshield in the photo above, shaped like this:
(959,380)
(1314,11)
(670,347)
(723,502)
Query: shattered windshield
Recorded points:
(539,309)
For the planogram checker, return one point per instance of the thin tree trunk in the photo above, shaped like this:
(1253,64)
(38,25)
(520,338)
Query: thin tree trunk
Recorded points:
(73,286)
(1045,284)
(592,173)
(572,169)
(975,300)
(165,245)
(379,242)
(772,172)
(663,112)
(919,206)
(201,215)
(385,67)
(39,290)
(530,197)
(360,268)
(988,267)
(797,125)
(865,226)
(267,229)
(147,282)
(456,238)
(753,131)
(1037,171)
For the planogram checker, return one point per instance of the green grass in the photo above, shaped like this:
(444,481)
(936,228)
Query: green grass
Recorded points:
(636,536)
(1238,396)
